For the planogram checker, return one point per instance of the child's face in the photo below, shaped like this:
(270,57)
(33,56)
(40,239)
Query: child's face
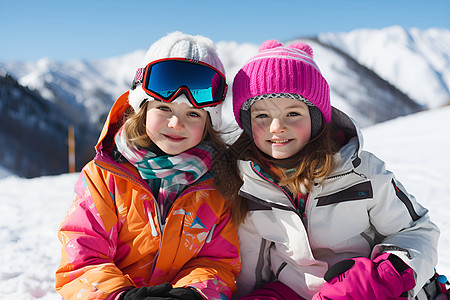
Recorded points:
(175,127)
(280,127)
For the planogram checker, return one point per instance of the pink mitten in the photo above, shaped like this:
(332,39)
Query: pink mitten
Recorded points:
(386,277)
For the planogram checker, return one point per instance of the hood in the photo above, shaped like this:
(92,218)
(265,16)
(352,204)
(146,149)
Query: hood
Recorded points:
(351,139)
(112,124)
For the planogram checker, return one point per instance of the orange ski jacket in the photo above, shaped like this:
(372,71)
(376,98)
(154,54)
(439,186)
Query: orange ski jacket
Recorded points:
(112,238)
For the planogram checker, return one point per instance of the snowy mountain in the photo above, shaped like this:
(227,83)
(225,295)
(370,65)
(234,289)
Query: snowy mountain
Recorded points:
(83,91)
(415,61)
(33,133)
(48,98)
(32,209)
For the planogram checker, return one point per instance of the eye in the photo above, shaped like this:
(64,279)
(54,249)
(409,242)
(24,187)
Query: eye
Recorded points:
(163,108)
(194,114)
(260,116)
(293,114)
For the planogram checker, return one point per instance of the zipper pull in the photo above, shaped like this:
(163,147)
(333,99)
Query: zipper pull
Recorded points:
(208,239)
(152,224)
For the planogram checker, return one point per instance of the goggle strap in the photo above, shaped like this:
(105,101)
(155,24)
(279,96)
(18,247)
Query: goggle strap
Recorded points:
(138,78)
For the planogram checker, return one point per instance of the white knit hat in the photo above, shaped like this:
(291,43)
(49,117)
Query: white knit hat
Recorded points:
(177,44)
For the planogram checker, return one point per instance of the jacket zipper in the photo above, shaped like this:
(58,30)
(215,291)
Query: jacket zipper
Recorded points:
(347,173)
(152,224)
(279,187)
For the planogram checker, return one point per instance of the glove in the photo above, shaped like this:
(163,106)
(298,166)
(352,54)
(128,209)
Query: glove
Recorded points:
(163,291)
(187,293)
(386,277)
(147,292)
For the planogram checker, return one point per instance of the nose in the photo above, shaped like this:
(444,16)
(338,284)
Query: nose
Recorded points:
(175,122)
(277,126)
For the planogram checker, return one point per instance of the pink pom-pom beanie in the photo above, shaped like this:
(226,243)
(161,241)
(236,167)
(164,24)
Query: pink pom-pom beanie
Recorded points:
(276,70)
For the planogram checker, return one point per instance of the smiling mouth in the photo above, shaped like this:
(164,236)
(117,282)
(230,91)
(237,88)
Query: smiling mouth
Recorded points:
(175,138)
(280,141)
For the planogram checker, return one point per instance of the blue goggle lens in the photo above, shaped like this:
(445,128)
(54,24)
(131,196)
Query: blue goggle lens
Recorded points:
(167,77)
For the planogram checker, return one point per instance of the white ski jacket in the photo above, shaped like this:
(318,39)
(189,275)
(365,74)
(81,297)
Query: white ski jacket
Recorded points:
(360,210)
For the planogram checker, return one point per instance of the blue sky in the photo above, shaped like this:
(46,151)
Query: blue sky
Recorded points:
(88,29)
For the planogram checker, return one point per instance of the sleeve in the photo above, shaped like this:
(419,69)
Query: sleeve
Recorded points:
(405,224)
(87,268)
(213,271)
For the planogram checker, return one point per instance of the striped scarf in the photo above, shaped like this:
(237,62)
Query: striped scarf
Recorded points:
(173,172)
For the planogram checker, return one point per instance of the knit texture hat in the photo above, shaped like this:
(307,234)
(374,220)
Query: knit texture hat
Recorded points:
(277,69)
(177,44)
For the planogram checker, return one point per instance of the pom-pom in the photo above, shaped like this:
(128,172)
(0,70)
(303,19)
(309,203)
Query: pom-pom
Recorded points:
(304,47)
(269,45)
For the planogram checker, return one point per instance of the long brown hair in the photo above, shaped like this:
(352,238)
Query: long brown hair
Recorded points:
(135,127)
(311,165)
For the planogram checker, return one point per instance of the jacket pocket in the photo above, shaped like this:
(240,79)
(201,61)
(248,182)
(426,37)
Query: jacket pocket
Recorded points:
(357,192)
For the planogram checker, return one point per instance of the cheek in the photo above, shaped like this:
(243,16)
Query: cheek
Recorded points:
(258,130)
(258,133)
(153,124)
(303,130)
(149,125)
(197,132)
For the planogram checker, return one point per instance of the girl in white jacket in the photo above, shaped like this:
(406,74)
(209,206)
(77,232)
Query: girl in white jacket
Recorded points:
(319,217)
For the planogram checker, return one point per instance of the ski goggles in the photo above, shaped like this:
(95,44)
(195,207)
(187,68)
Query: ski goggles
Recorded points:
(166,79)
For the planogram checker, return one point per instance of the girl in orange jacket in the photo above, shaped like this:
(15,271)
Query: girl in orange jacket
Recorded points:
(147,220)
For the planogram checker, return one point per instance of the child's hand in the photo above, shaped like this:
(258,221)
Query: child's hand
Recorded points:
(386,277)
(147,292)
(163,291)
(184,293)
